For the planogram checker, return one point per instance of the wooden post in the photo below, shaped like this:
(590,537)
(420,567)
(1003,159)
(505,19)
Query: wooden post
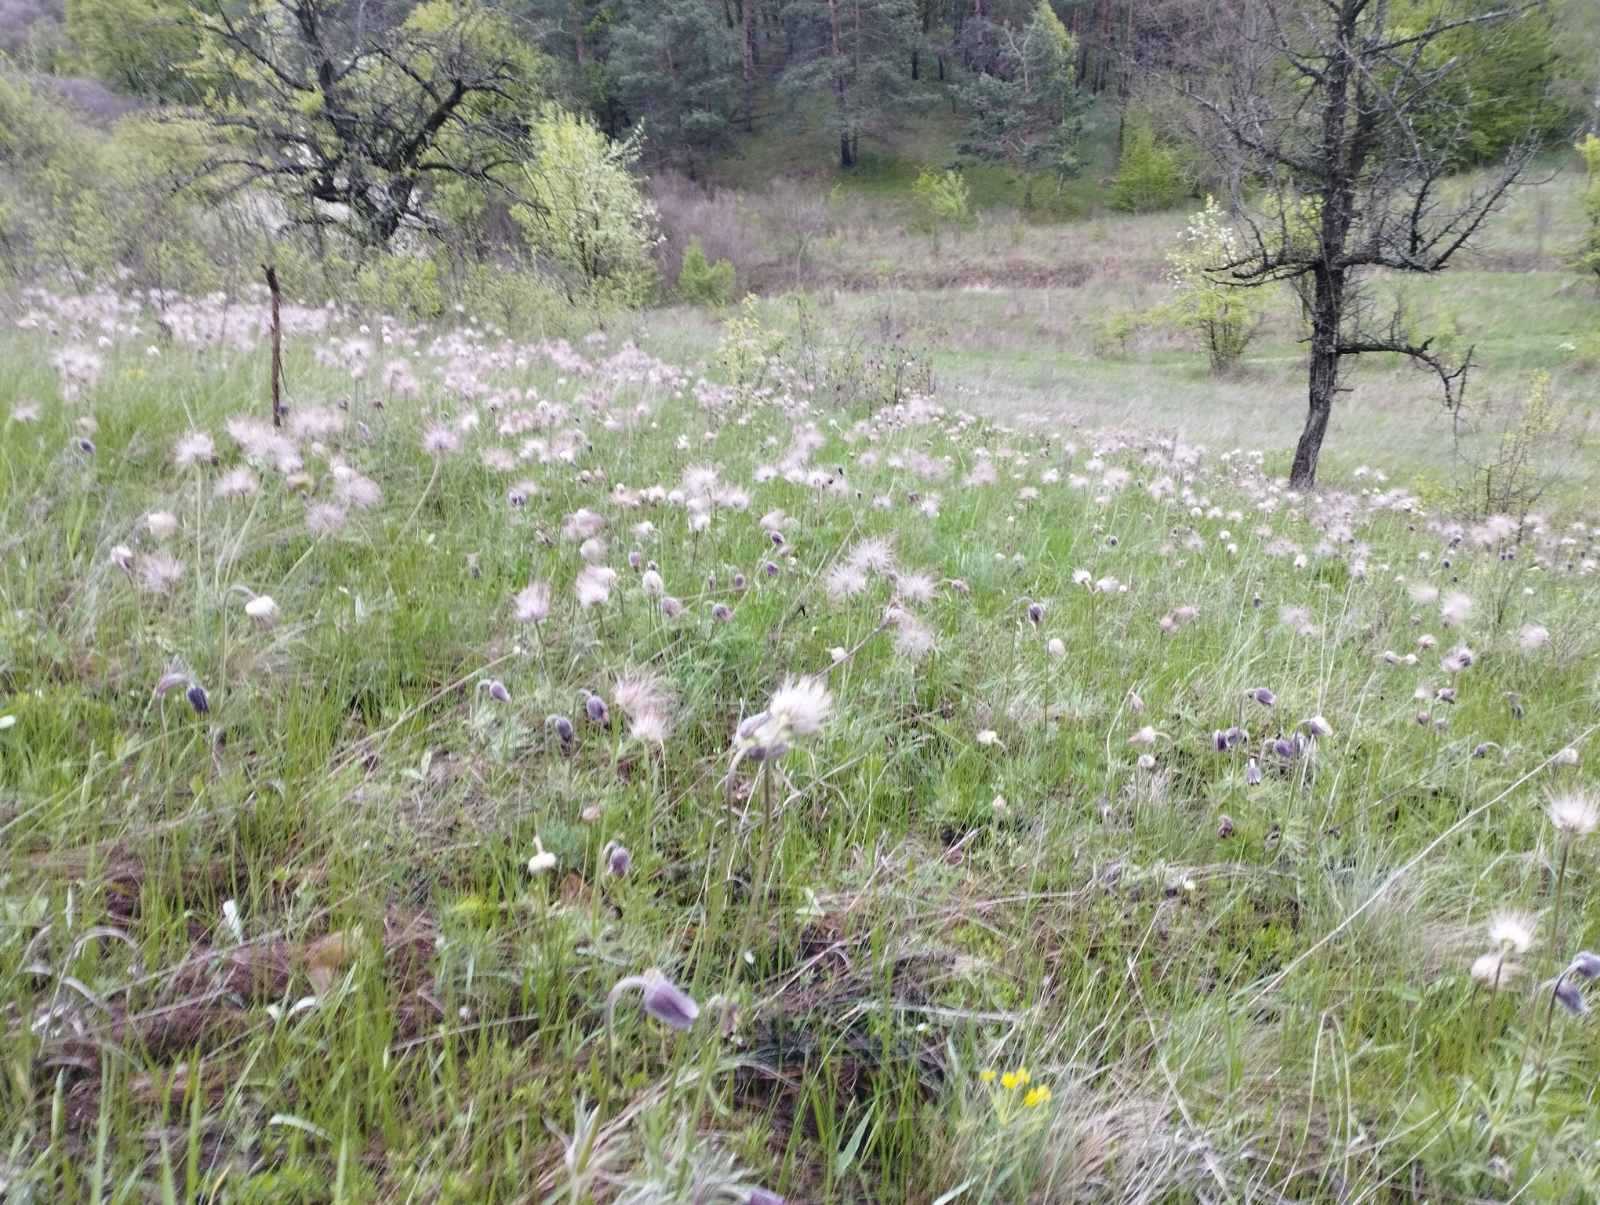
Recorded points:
(277,345)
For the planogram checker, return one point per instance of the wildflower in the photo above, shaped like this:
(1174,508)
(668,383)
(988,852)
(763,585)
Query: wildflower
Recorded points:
(1035,613)
(542,859)
(161,524)
(1585,965)
(1570,996)
(122,557)
(495,689)
(194,448)
(1533,637)
(236,483)
(1566,757)
(157,572)
(533,603)
(86,445)
(1036,1097)
(1493,971)
(1512,932)
(652,584)
(721,612)
(593,585)
(1455,609)
(801,706)
(760,1196)
(844,581)
(1145,737)
(1252,773)
(1012,1080)
(1146,762)
(262,608)
(1457,660)
(196,694)
(324,518)
(439,440)
(1318,726)
(565,732)
(661,999)
(1224,826)
(596,711)
(671,607)
(650,727)
(1262,695)
(1057,647)
(25,412)
(988,737)
(1135,703)
(617,859)
(1575,815)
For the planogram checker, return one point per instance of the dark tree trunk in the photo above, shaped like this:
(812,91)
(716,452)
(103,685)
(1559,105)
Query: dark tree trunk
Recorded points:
(747,46)
(915,63)
(1326,307)
(847,151)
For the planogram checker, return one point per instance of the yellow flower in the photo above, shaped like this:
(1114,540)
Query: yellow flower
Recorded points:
(1037,1096)
(1015,1079)
(987,1075)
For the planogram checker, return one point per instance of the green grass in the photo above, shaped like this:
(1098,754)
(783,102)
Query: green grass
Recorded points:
(291,949)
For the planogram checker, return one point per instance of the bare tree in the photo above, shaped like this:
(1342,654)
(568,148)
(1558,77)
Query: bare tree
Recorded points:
(348,110)
(1329,123)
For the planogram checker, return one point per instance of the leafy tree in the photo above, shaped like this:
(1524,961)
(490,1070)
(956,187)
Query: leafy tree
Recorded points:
(701,282)
(857,52)
(143,47)
(1330,108)
(1025,107)
(1222,318)
(586,211)
(1589,249)
(1150,173)
(353,122)
(942,199)
(676,70)
(1497,89)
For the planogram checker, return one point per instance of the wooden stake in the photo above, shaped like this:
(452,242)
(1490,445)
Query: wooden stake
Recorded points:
(277,345)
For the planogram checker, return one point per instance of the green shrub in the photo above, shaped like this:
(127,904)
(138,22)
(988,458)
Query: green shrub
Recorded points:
(1589,249)
(1221,316)
(401,284)
(942,199)
(1150,174)
(701,282)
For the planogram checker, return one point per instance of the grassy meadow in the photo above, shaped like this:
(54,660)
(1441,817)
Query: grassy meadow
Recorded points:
(882,746)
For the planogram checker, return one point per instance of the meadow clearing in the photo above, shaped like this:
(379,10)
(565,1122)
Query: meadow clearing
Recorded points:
(873,748)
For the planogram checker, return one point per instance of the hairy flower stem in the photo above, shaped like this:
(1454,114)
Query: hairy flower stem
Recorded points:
(1561,882)
(1544,1037)
(759,883)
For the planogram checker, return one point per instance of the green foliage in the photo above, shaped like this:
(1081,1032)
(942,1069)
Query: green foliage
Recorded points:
(586,211)
(674,67)
(856,57)
(701,282)
(1221,315)
(942,200)
(351,124)
(1498,92)
(93,204)
(1588,259)
(1026,110)
(145,47)
(401,283)
(1150,174)
(749,349)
